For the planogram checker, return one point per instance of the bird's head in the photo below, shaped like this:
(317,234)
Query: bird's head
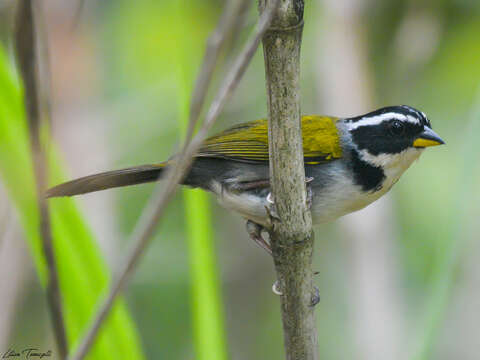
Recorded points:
(391,135)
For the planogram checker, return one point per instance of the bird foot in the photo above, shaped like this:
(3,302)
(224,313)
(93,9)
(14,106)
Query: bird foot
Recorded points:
(270,207)
(315,297)
(276,288)
(254,230)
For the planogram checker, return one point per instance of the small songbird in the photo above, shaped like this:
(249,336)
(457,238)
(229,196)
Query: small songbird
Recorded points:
(349,163)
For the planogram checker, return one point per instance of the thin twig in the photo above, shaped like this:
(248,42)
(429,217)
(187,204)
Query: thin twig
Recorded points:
(156,207)
(240,23)
(292,236)
(228,22)
(27,49)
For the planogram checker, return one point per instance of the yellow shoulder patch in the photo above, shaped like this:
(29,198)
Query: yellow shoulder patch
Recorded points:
(248,142)
(321,141)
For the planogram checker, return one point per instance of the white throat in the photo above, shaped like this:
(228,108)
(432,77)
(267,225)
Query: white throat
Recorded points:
(393,165)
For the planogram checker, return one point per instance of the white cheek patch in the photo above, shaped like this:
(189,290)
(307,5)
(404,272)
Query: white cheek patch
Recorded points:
(378,119)
(402,160)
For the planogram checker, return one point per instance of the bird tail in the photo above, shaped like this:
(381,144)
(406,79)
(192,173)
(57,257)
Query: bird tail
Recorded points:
(107,180)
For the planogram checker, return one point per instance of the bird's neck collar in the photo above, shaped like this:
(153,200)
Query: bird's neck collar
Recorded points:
(366,175)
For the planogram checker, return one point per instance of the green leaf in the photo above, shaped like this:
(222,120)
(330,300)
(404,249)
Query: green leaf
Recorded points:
(207,308)
(83,275)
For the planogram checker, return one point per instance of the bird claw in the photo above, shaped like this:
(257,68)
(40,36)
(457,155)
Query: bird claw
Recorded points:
(270,198)
(275,289)
(315,297)
(270,208)
(254,230)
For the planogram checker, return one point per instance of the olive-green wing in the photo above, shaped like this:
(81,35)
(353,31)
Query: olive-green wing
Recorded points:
(248,142)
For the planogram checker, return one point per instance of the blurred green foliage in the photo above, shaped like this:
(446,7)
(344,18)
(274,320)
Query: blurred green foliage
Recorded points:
(83,275)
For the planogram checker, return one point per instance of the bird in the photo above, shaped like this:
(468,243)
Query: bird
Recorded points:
(349,163)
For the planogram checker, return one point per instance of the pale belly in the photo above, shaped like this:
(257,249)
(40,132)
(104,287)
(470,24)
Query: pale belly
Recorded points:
(329,203)
(338,201)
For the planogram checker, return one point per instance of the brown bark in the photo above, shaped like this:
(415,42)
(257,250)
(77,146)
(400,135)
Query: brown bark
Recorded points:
(291,233)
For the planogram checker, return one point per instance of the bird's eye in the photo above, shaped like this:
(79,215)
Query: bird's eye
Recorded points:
(397,128)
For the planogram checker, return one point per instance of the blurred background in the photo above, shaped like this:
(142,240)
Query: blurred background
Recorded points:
(398,280)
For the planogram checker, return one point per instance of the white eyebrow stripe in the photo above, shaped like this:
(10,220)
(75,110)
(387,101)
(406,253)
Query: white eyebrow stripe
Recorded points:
(378,119)
(413,119)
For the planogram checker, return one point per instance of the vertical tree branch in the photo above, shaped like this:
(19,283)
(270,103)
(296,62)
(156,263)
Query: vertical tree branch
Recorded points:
(291,234)
(27,49)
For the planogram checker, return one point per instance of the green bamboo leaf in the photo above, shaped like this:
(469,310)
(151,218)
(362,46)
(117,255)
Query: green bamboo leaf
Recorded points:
(207,308)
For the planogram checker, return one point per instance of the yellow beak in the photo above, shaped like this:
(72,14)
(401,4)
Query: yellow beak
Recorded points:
(427,138)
